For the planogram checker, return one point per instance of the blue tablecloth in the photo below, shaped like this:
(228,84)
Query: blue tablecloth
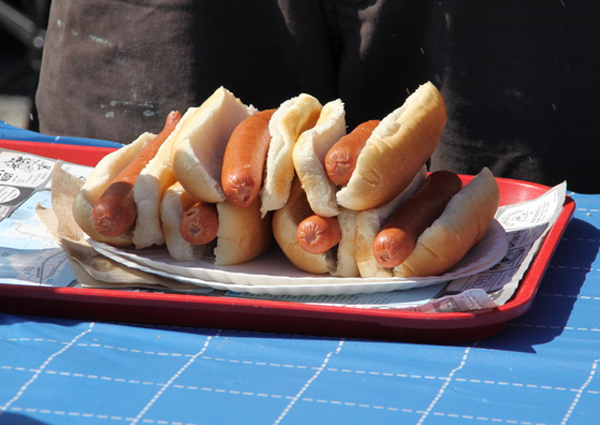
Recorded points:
(542,370)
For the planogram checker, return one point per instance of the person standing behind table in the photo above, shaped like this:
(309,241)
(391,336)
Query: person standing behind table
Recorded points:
(519,81)
(112,69)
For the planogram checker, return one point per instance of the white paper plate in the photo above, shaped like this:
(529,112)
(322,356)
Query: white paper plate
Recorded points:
(274,274)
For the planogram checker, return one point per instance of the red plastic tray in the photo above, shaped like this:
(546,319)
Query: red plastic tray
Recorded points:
(279,316)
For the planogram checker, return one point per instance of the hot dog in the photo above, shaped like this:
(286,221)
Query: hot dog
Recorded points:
(197,160)
(197,153)
(399,236)
(220,163)
(337,262)
(318,234)
(462,224)
(95,185)
(144,189)
(340,161)
(242,234)
(115,211)
(173,204)
(397,148)
(244,159)
(199,223)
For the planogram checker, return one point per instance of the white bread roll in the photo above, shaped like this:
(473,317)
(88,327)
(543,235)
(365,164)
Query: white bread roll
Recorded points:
(100,178)
(199,146)
(148,191)
(292,118)
(370,222)
(461,226)
(337,262)
(345,265)
(396,150)
(242,235)
(309,153)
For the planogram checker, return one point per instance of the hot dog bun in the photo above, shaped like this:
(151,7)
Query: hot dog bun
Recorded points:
(143,185)
(115,212)
(242,235)
(461,226)
(337,262)
(396,150)
(291,119)
(371,221)
(198,149)
(148,191)
(100,178)
(397,239)
(245,157)
(308,156)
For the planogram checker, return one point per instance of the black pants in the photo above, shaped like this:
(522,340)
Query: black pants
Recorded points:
(519,76)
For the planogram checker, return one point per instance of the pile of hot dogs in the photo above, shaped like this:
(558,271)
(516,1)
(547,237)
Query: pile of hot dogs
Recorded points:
(225,181)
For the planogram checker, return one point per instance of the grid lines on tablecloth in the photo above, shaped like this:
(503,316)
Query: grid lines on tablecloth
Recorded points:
(223,389)
(541,370)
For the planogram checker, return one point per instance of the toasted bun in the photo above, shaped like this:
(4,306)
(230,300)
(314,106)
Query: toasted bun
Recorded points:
(242,236)
(291,119)
(461,226)
(200,142)
(371,221)
(100,178)
(396,150)
(338,262)
(309,153)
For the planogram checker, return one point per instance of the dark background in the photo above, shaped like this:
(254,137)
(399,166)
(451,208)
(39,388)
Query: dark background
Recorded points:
(22,32)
